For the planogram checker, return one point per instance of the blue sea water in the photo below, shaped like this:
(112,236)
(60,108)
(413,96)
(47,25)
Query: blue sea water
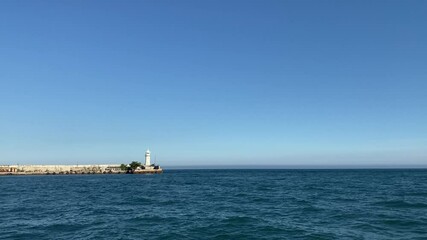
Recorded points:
(217,204)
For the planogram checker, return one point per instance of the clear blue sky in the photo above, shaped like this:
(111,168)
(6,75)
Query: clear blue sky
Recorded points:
(213,82)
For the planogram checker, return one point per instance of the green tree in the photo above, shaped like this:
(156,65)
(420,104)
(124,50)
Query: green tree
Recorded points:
(123,167)
(135,164)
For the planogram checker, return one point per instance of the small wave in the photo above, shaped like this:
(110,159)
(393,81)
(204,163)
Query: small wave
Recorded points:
(235,223)
(239,220)
(421,194)
(311,209)
(169,202)
(64,227)
(400,223)
(241,194)
(400,204)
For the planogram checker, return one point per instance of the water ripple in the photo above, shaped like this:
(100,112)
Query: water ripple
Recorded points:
(217,204)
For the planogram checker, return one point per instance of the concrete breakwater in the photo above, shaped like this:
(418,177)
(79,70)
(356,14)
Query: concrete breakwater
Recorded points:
(72,169)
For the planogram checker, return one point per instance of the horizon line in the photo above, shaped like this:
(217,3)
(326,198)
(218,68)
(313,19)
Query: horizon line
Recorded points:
(307,166)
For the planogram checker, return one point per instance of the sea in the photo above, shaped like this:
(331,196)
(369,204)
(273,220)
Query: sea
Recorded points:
(217,204)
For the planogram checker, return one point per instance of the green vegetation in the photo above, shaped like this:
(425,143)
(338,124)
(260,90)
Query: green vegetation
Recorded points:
(135,164)
(123,167)
(132,166)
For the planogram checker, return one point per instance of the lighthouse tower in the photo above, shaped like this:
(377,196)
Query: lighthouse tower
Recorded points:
(147,158)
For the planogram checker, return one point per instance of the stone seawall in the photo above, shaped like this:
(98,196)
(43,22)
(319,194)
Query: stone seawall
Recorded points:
(67,169)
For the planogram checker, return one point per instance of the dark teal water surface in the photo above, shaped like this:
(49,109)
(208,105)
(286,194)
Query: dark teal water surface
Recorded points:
(217,204)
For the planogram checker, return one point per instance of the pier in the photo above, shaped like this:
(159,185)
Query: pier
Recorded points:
(73,169)
(133,168)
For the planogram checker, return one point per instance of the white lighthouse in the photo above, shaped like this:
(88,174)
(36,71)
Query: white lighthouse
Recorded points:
(147,158)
